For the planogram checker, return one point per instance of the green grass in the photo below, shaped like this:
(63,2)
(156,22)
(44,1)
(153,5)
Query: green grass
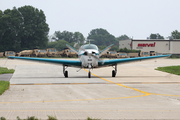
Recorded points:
(5,70)
(89,118)
(170,69)
(174,57)
(2,118)
(49,118)
(4,85)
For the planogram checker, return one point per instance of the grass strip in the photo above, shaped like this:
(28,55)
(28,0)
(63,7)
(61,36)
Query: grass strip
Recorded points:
(174,57)
(49,118)
(6,70)
(170,69)
(4,85)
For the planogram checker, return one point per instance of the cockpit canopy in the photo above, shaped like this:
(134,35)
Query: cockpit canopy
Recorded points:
(90,46)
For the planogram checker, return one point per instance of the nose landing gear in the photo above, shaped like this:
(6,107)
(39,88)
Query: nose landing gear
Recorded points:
(64,71)
(114,71)
(89,74)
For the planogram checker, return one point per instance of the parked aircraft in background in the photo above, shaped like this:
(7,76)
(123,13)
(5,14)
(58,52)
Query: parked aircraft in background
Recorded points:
(89,57)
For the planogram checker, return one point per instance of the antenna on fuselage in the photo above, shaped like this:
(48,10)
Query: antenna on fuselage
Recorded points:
(89,40)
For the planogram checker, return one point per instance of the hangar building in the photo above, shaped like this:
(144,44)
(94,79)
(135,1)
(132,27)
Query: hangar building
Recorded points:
(156,45)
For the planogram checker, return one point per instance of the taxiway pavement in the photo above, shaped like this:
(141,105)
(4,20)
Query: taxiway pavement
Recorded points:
(137,92)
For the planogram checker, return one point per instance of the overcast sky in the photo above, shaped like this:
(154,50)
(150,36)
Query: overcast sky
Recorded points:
(137,18)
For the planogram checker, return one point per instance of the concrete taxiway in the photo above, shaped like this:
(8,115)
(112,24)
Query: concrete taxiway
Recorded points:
(137,92)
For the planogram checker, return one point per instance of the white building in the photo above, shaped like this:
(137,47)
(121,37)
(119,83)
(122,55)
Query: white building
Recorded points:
(156,45)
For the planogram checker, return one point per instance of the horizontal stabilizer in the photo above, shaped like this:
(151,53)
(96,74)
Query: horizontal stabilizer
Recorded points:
(71,48)
(105,50)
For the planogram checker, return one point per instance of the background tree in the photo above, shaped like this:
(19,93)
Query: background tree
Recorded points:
(102,37)
(59,45)
(23,28)
(65,35)
(156,36)
(78,37)
(9,30)
(34,28)
(175,34)
(122,37)
(68,36)
(128,50)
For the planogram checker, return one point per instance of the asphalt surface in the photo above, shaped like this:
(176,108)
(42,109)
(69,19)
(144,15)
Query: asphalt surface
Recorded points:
(137,92)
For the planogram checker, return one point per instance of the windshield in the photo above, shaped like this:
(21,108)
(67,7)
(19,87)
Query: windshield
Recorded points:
(10,53)
(42,51)
(90,46)
(123,54)
(112,52)
(52,50)
(146,53)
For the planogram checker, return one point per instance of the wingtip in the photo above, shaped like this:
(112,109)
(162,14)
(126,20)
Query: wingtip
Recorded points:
(169,55)
(10,57)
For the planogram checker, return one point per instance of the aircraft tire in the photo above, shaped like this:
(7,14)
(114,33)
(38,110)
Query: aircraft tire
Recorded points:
(113,73)
(89,74)
(66,74)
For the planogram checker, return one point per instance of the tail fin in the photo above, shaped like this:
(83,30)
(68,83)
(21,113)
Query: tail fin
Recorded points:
(71,48)
(105,50)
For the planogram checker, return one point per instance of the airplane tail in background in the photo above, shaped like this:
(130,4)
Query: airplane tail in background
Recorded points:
(71,48)
(105,50)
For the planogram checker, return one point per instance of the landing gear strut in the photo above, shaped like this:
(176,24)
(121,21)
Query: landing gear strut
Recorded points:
(64,71)
(114,71)
(89,73)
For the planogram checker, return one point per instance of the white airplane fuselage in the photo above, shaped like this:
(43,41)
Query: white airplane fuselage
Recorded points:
(89,58)
(89,55)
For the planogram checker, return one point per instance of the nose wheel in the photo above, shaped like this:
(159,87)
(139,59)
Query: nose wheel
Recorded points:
(114,71)
(89,74)
(66,74)
(65,71)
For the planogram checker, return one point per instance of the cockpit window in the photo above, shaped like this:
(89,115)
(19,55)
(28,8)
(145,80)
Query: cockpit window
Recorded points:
(90,46)
(42,51)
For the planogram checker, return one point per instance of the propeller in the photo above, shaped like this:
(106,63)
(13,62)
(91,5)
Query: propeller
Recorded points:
(93,54)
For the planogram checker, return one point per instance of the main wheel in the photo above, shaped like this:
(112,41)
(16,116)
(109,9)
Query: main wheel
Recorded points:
(89,74)
(113,73)
(66,74)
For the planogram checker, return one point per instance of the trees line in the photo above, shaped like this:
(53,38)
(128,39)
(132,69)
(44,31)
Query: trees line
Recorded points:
(101,37)
(26,28)
(23,28)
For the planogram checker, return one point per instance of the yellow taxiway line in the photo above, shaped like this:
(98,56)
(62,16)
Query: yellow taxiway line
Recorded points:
(143,92)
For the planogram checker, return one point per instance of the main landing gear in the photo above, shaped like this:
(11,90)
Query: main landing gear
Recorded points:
(114,71)
(89,73)
(64,71)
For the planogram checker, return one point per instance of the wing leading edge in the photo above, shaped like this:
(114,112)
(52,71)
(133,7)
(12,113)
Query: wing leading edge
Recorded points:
(53,61)
(75,63)
(125,60)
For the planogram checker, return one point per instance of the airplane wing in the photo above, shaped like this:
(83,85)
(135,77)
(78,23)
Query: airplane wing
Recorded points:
(53,61)
(105,50)
(103,63)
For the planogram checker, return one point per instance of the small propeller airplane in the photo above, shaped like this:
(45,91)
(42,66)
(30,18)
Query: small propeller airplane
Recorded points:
(89,57)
